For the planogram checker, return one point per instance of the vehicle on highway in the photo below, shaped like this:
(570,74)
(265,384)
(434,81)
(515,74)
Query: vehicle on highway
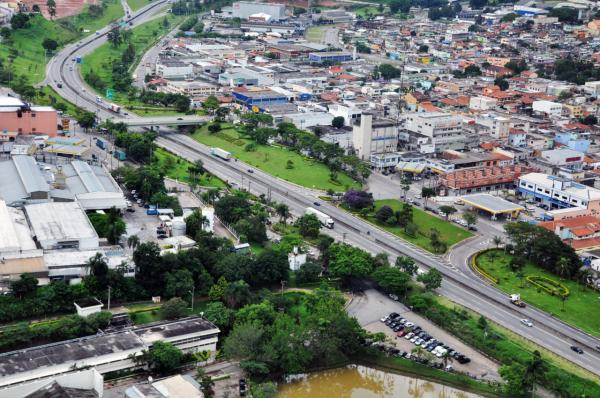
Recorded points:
(316,204)
(472,228)
(220,153)
(114,107)
(325,220)
(59,85)
(516,300)
(250,171)
(577,349)
(394,297)
(179,118)
(527,322)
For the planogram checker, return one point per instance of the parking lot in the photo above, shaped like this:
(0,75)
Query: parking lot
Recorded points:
(139,223)
(372,305)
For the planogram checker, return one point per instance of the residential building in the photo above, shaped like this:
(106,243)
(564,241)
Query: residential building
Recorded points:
(19,117)
(547,108)
(444,131)
(579,232)
(374,136)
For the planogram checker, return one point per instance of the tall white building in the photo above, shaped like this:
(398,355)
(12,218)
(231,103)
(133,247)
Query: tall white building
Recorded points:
(374,136)
(444,131)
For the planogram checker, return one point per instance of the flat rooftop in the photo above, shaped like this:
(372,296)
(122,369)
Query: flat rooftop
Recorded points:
(60,221)
(490,203)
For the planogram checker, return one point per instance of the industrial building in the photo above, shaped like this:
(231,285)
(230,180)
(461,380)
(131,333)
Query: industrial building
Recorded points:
(245,9)
(257,99)
(21,180)
(330,56)
(105,352)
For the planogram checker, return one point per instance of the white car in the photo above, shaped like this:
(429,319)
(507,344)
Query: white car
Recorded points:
(409,336)
(527,322)
(409,324)
(385,318)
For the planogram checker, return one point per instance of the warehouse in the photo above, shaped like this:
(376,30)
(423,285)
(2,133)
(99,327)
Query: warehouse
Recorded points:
(331,56)
(105,352)
(61,225)
(22,180)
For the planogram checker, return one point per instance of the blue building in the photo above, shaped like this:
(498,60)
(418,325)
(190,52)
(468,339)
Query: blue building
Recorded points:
(331,56)
(259,98)
(573,141)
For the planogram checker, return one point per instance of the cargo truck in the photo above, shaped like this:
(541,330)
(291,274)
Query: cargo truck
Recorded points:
(325,220)
(516,300)
(100,143)
(220,153)
(120,155)
(115,108)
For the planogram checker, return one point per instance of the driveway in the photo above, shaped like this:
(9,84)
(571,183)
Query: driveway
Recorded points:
(369,307)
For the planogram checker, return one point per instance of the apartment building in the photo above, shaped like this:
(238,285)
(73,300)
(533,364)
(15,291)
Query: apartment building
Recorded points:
(443,130)
(547,108)
(371,135)
(19,117)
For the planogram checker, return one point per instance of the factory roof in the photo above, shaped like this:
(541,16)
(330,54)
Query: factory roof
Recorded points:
(19,177)
(59,221)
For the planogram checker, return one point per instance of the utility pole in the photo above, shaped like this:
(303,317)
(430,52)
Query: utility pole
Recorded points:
(108,298)
(192,291)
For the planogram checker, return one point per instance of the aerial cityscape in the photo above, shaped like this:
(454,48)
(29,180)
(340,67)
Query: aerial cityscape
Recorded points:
(277,199)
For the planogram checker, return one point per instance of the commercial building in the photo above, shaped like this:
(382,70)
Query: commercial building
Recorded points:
(443,131)
(547,108)
(374,136)
(557,192)
(257,99)
(493,205)
(190,88)
(564,158)
(105,352)
(21,181)
(177,386)
(60,225)
(173,69)
(244,9)
(330,56)
(481,179)
(17,116)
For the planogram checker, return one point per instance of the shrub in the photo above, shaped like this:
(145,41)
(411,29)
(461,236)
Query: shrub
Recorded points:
(550,286)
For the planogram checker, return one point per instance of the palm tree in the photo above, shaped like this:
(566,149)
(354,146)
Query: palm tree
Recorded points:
(283,211)
(446,357)
(562,267)
(133,241)
(418,351)
(210,195)
(584,276)
(497,240)
(535,370)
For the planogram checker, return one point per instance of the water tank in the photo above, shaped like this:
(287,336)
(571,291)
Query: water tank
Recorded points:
(178,226)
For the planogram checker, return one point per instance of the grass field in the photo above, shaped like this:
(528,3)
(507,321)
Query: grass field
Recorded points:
(314,33)
(449,233)
(85,21)
(101,60)
(177,167)
(273,160)
(141,316)
(577,307)
(368,10)
(137,4)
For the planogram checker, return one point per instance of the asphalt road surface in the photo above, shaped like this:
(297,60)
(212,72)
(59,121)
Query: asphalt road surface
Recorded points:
(464,289)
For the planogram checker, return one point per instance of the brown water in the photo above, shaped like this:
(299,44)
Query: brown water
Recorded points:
(363,382)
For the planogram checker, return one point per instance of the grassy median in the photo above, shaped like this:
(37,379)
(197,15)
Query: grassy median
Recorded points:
(274,160)
(177,168)
(577,306)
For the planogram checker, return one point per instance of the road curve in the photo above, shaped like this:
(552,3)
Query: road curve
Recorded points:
(465,290)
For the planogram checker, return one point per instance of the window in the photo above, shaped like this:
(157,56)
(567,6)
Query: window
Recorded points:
(33,115)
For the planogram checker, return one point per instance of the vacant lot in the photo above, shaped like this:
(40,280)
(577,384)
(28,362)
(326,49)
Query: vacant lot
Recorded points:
(577,306)
(274,160)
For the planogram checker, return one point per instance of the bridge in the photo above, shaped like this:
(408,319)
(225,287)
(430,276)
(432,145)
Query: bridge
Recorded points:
(157,121)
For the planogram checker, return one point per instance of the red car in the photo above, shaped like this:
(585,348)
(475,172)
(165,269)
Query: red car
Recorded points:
(401,333)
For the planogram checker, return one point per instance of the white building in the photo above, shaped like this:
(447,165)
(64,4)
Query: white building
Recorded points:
(349,113)
(104,352)
(171,69)
(557,192)
(304,120)
(564,157)
(244,9)
(482,103)
(592,88)
(443,130)
(86,382)
(59,225)
(499,125)
(548,108)
(374,136)
(190,89)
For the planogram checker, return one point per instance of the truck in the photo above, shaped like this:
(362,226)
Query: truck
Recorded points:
(516,300)
(220,153)
(152,211)
(120,155)
(100,143)
(325,220)
(115,108)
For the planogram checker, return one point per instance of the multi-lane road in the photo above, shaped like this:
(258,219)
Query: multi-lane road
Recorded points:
(459,286)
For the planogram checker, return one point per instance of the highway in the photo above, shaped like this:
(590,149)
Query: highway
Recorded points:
(460,288)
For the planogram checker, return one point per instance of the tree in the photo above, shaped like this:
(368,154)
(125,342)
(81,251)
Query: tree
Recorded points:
(220,315)
(400,5)
(86,120)
(51,4)
(19,21)
(446,357)
(514,376)
(563,268)
(265,390)
(432,279)
(114,36)
(179,283)
(477,4)
(236,294)
(502,83)
(388,71)
(269,268)
(384,213)
(49,44)
(133,242)
(309,272)
(174,308)
(283,211)
(511,16)
(35,8)
(590,120)
(337,122)
(470,218)
(497,240)
(358,199)
(232,208)
(24,286)
(349,262)
(407,265)
(308,225)
(448,210)
(535,370)
(217,291)
(164,357)
(392,280)
(195,223)
(427,193)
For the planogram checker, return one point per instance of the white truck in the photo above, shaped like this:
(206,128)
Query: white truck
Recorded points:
(115,108)
(326,221)
(220,153)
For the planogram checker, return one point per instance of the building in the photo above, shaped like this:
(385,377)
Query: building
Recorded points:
(481,179)
(258,98)
(581,232)
(82,383)
(330,56)
(443,131)
(499,126)
(547,108)
(17,116)
(564,158)
(61,225)
(304,120)
(177,386)
(493,205)
(558,193)
(374,136)
(333,16)
(592,89)
(245,9)
(482,103)
(104,352)
(174,69)
(190,88)
(21,181)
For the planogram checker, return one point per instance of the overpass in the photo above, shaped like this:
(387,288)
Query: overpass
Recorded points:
(157,121)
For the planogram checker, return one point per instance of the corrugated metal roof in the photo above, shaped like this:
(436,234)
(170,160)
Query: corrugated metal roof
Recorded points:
(88,178)
(30,174)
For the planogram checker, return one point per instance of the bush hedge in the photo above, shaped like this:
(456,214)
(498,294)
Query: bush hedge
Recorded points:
(550,286)
(480,270)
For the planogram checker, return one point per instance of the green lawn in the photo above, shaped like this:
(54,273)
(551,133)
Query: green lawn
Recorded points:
(578,306)
(140,316)
(273,160)
(85,21)
(315,33)
(176,168)
(50,97)
(137,4)
(449,233)
(368,10)
(101,60)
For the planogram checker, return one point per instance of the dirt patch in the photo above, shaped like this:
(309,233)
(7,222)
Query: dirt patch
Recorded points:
(64,8)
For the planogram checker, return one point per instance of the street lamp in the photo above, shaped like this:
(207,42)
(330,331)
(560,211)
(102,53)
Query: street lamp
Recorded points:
(192,292)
